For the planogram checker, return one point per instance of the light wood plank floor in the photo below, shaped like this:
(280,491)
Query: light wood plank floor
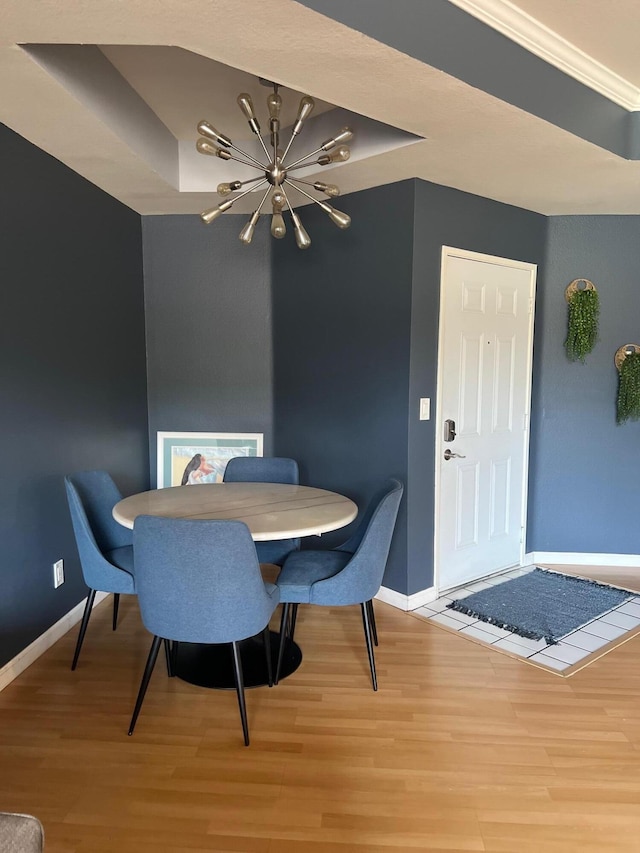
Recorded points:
(461,749)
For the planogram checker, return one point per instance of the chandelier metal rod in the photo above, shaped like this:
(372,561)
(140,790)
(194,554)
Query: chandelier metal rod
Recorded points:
(256,163)
(301,165)
(250,181)
(306,156)
(244,162)
(322,204)
(264,148)
(286,150)
(308,183)
(252,189)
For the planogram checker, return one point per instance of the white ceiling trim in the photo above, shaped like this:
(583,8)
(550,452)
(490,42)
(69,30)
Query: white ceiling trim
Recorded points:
(552,48)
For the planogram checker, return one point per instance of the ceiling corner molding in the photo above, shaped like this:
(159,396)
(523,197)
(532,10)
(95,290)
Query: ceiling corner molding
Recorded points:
(552,48)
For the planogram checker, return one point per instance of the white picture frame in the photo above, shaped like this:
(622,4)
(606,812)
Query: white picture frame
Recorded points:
(177,451)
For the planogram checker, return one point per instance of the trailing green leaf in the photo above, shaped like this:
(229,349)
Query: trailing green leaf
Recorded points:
(582,334)
(629,389)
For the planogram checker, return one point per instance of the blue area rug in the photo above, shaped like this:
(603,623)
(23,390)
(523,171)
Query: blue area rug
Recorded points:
(542,605)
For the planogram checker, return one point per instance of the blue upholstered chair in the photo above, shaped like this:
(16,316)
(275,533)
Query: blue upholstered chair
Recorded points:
(199,581)
(266,469)
(336,577)
(104,546)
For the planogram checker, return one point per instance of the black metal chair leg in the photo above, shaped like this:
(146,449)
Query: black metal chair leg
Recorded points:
(116,605)
(367,636)
(372,621)
(267,650)
(83,626)
(151,662)
(169,655)
(284,621)
(294,616)
(237,665)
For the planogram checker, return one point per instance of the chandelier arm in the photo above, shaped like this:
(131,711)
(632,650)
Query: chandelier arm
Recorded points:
(300,181)
(289,144)
(302,166)
(251,181)
(246,192)
(264,198)
(256,163)
(264,148)
(294,165)
(322,204)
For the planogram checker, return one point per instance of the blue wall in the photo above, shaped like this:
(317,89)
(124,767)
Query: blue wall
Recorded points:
(72,373)
(356,339)
(446,37)
(584,467)
(446,217)
(208,314)
(342,327)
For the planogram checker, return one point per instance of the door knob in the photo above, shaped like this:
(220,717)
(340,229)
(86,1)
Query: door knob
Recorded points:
(449,454)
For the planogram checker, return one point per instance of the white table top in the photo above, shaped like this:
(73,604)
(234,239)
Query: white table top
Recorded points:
(270,510)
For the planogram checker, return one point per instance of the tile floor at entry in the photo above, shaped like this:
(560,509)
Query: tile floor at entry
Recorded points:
(566,654)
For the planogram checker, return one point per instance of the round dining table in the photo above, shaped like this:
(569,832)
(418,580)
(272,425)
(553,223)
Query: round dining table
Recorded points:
(271,511)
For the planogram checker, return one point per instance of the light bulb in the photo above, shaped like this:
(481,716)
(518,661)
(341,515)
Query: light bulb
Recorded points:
(340,155)
(304,111)
(302,238)
(246,105)
(328,189)
(278,228)
(225,189)
(274,102)
(345,135)
(209,131)
(206,147)
(208,216)
(342,220)
(246,235)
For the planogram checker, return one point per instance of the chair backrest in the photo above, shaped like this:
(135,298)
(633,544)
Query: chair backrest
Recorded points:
(99,494)
(91,496)
(261,469)
(353,542)
(199,581)
(361,577)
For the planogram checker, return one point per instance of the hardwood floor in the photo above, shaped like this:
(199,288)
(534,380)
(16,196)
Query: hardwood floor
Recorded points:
(461,749)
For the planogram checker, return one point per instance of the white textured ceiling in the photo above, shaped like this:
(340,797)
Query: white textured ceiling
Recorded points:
(473,141)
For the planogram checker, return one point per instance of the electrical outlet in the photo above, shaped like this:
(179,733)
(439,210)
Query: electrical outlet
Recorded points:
(58,573)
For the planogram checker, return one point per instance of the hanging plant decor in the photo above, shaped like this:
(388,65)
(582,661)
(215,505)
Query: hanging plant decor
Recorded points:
(584,310)
(628,363)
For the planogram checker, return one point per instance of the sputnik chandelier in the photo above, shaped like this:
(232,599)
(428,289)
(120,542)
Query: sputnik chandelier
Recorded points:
(276,173)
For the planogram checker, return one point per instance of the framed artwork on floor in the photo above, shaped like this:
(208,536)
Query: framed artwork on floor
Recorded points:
(189,458)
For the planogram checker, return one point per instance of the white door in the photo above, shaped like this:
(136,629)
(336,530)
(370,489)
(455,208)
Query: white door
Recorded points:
(484,392)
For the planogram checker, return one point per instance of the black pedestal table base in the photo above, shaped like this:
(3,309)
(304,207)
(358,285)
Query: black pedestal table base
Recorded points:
(212,666)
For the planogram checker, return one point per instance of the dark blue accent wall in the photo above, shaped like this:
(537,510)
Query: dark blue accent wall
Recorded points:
(342,332)
(584,490)
(208,311)
(447,217)
(72,373)
(444,36)
(356,340)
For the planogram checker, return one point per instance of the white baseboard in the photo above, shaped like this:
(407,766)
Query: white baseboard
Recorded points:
(570,558)
(406,602)
(27,656)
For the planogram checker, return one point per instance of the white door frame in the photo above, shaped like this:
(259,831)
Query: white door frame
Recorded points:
(450,252)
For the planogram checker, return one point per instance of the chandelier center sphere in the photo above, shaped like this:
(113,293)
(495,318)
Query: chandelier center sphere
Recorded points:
(275,174)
